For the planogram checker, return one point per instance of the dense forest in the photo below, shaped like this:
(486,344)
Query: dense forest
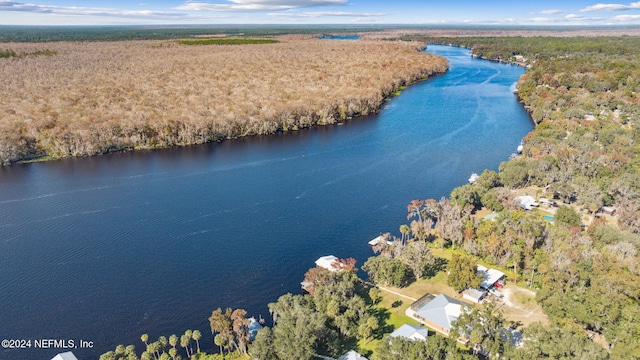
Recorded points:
(99,97)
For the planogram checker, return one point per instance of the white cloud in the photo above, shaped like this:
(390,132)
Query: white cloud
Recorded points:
(623,18)
(257,5)
(550,11)
(612,7)
(317,14)
(567,18)
(87,11)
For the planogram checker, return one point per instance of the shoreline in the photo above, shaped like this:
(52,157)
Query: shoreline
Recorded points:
(397,92)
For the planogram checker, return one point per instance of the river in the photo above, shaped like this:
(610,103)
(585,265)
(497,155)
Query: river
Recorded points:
(107,248)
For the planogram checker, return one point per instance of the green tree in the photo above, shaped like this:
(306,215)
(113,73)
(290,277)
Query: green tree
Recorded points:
(145,339)
(554,342)
(173,340)
(405,231)
(567,215)
(417,256)
(197,335)
(463,273)
(387,271)
(262,345)
(298,327)
(184,343)
(486,330)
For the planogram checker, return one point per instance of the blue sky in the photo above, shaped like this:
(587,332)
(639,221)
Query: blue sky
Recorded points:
(92,12)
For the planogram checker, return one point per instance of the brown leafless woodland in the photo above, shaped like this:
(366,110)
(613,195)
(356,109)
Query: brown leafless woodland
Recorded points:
(97,97)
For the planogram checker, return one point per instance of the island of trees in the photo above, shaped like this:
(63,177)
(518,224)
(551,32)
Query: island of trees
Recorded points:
(97,97)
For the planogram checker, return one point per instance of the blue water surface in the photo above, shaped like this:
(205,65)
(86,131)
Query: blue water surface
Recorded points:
(107,248)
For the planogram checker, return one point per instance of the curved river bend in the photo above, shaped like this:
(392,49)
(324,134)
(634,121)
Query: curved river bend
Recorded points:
(104,249)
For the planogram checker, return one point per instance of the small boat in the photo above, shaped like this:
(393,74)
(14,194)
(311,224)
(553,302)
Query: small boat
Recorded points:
(474,177)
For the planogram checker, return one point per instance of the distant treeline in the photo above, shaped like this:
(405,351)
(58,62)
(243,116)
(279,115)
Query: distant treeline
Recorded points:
(225,41)
(7,53)
(118,33)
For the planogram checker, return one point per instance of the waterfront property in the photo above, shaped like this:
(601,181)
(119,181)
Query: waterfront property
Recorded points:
(329,262)
(437,312)
(380,239)
(411,332)
(254,327)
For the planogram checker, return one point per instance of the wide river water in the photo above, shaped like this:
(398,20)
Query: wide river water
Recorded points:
(107,248)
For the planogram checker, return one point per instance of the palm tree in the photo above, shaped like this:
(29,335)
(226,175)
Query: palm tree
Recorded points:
(221,341)
(405,230)
(173,340)
(197,335)
(162,340)
(184,342)
(173,352)
(145,338)
(188,334)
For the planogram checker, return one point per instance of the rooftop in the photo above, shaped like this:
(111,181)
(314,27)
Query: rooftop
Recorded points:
(442,311)
(411,332)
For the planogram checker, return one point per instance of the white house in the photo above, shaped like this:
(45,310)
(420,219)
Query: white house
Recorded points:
(473,295)
(411,332)
(352,355)
(437,312)
(326,262)
(254,327)
(65,356)
(526,202)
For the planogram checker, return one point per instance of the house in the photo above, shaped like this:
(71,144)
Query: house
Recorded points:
(526,202)
(608,210)
(380,239)
(491,278)
(328,262)
(437,312)
(473,295)
(254,327)
(411,332)
(65,356)
(352,355)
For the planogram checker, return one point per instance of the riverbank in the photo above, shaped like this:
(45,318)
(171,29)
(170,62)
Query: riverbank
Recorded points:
(102,97)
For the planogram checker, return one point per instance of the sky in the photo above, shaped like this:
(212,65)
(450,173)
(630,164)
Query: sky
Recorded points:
(427,12)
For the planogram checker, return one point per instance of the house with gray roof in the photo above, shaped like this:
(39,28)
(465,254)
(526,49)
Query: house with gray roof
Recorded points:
(352,355)
(411,332)
(437,312)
